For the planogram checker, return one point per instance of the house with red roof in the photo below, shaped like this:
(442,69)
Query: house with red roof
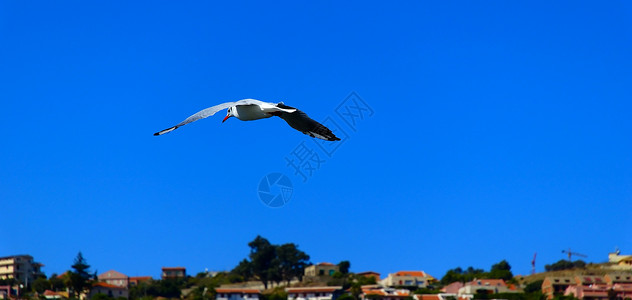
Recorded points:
(321,269)
(314,293)
(491,286)
(383,293)
(114,278)
(111,290)
(237,294)
(418,279)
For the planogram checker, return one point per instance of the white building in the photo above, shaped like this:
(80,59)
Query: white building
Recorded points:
(492,286)
(621,262)
(237,294)
(418,279)
(313,293)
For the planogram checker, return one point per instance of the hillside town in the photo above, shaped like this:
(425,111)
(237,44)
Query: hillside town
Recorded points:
(21,277)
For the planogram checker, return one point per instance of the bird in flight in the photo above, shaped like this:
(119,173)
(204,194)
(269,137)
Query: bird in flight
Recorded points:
(251,109)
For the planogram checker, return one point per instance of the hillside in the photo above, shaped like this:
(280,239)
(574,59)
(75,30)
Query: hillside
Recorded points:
(590,269)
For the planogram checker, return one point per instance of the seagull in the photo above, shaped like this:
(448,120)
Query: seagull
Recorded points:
(251,109)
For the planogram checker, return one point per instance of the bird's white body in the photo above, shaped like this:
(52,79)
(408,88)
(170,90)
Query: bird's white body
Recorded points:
(251,112)
(252,109)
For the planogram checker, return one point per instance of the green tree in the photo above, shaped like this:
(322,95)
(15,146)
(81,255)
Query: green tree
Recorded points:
(80,278)
(262,258)
(565,265)
(534,286)
(56,283)
(40,285)
(344,266)
(101,296)
(501,270)
(243,269)
(292,261)
(458,274)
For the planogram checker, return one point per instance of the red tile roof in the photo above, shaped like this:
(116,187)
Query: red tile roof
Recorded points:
(173,268)
(237,290)
(318,289)
(428,297)
(325,264)
(411,273)
(107,285)
(140,278)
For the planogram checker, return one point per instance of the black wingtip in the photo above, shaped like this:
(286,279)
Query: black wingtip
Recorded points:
(157,134)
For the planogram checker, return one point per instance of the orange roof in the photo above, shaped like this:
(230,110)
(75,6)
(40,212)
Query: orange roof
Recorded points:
(140,278)
(428,297)
(237,290)
(107,285)
(411,273)
(325,264)
(318,289)
(374,292)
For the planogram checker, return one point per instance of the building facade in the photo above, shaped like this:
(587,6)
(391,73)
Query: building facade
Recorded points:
(110,290)
(114,278)
(237,294)
(173,272)
(556,285)
(418,279)
(490,286)
(321,269)
(313,293)
(20,267)
(622,262)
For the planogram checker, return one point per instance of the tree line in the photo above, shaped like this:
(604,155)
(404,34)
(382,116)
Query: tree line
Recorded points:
(500,270)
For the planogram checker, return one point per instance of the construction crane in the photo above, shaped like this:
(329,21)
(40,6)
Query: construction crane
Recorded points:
(570,253)
(533,263)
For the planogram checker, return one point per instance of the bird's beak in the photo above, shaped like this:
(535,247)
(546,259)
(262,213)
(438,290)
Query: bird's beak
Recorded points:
(225,118)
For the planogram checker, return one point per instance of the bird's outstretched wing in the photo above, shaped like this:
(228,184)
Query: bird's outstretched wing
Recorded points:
(205,113)
(301,122)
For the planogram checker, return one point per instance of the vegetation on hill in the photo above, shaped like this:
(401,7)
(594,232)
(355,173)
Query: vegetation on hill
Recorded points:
(501,270)
(565,265)
(272,263)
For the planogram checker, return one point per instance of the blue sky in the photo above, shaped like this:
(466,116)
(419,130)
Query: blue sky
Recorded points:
(500,129)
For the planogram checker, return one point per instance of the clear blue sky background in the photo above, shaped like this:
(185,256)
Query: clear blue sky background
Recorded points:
(501,128)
